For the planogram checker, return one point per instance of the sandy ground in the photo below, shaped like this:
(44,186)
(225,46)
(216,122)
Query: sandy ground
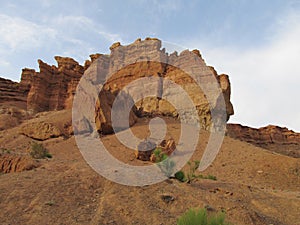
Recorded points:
(253,186)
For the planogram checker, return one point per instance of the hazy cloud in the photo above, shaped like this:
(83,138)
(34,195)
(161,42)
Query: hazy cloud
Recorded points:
(19,34)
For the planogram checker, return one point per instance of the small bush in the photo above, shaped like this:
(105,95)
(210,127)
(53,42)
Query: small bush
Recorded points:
(211,177)
(167,167)
(50,203)
(5,150)
(193,167)
(180,176)
(38,151)
(200,217)
(159,155)
(165,164)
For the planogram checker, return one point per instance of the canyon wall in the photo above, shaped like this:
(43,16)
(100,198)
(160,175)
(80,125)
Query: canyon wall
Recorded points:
(11,93)
(159,73)
(53,87)
(274,138)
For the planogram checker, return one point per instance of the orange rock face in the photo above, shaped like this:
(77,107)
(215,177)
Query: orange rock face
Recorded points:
(103,113)
(16,163)
(164,69)
(271,137)
(53,87)
(11,93)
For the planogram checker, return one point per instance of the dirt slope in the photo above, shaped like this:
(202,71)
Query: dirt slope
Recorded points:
(253,186)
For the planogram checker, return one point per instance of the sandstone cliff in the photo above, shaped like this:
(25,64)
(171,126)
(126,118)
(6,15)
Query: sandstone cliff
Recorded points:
(11,93)
(146,59)
(278,139)
(53,87)
(12,104)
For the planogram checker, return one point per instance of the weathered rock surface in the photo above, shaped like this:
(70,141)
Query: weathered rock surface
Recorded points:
(104,107)
(167,147)
(274,138)
(11,117)
(145,59)
(13,103)
(11,94)
(40,130)
(16,163)
(53,87)
(46,125)
(145,150)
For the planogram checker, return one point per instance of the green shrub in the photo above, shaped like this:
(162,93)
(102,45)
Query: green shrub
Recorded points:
(211,177)
(200,217)
(38,151)
(193,166)
(180,176)
(5,150)
(165,164)
(167,167)
(159,155)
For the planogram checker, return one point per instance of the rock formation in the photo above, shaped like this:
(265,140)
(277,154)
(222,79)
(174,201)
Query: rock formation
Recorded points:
(12,103)
(278,139)
(40,131)
(53,87)
(145,150)
(12,94)
(103,113)
(146,59)
(10,162)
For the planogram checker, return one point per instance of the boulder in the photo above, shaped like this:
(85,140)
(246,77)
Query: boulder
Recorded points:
(167,146)
(145,150)
(40,130)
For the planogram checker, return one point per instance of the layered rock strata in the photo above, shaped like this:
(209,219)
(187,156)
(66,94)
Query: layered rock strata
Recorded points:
(274,138)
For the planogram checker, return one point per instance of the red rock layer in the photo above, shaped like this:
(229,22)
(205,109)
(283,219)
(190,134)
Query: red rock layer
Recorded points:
(278,139)
(11,94)
(53,87)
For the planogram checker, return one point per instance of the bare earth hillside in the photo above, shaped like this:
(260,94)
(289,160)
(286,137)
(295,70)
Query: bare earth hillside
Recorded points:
(253,186)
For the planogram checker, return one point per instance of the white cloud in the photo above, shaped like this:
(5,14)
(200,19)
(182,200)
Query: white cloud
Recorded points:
(265,81)
(82,24)
(19,34)
(4,63)
(68,35)
(167,5)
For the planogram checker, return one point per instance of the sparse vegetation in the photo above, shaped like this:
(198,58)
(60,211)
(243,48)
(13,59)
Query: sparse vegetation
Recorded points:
(190,175)
(209,177)
(50,203)
(38,151)
(200,217)
(180,176)
(165,164)
(159,155)
(193,166)
(5,150)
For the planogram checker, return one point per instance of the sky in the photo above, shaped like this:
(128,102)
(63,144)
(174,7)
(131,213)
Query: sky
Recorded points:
(257,42)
